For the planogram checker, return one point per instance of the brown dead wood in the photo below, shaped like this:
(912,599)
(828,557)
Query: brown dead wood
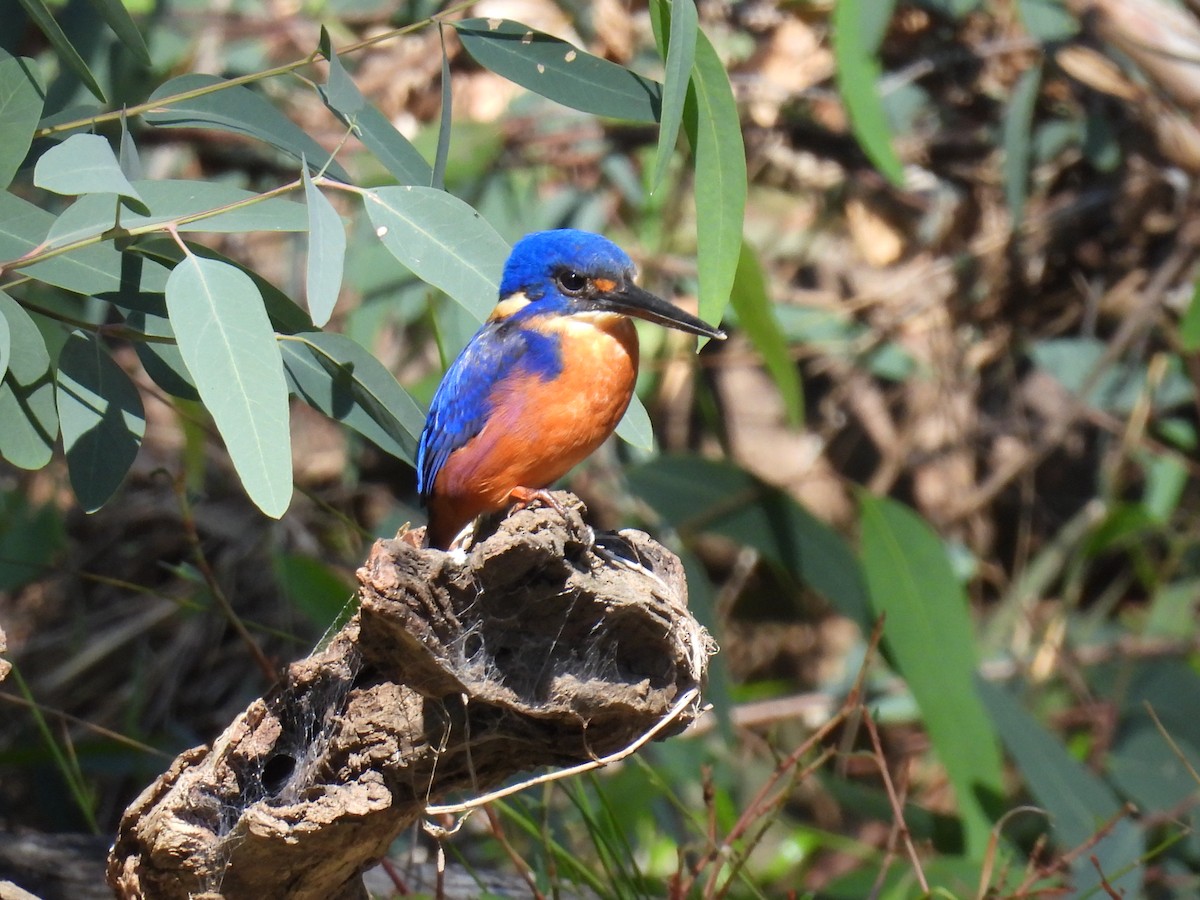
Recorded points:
(530,648)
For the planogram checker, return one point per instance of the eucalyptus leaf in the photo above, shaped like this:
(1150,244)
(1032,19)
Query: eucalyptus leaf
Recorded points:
(117,17)
(635,427)
(680,53)
(40,13)
(390,147)
(238,110)
(928,634)
(230,350)
(858,73)
(713,127)
(27,393)
(560,71)
(102,418)
(21,96)
(442,241)
(83,164)
(756,315)
(326,253)
(337,376)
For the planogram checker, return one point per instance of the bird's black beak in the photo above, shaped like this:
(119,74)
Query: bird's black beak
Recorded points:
(631,300)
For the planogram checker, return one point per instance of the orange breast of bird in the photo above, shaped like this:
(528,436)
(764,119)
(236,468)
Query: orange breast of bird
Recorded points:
(539,429)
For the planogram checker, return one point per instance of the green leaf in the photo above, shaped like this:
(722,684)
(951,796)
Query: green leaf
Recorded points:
(326,253)
(31,538)
(390,147)
(27,413)
(96,269)
(162,362)
(1077,801)
(83,164)
(170,200)
(442,241)
(756,315)
(445,120)
(927,631)
(858,74)
(1048,20)
(560,71)
(5,346)
(230,350)
(127,154)
(318,590)
(1121,386)
(711,121)
(1189,324)
(20,108)
(679,57)
(117,17)
(635,427)
(103,421)
(44,19)
(238,110)
(695,495)
(285,315)
(1015,137)
(337,376)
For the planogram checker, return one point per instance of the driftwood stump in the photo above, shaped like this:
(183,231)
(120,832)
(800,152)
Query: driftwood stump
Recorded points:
(460,670)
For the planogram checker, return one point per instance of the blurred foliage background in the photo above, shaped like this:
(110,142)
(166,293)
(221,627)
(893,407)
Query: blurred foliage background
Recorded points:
(960,391)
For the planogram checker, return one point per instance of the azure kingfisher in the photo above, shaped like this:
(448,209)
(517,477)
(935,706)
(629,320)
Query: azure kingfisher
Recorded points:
(542,383)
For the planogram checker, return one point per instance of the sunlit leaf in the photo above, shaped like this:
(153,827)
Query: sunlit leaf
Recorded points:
(230,350)
(337,376)
(390,147)
(695,495)
(635,427)
(102,419)
(713,127)
(83,164)
(285,315)
(326,253)
(20,108)
(442,241)
(560,71)
(1077,802)
(858,73)
(238,110)
(680,55)
(756,315)
(26,393)
(171,200)
(40,13)
(928,633)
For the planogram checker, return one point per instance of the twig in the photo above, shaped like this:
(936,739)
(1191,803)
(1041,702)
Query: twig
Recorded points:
(899,825)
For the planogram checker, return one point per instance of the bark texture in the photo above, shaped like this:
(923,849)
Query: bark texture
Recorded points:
(531,648)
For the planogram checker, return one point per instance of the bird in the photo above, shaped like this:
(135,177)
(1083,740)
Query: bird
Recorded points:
(543,382)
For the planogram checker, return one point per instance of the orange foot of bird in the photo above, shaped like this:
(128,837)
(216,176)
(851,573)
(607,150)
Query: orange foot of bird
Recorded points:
(521,497)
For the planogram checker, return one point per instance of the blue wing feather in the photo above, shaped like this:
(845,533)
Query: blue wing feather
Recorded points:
(463,400)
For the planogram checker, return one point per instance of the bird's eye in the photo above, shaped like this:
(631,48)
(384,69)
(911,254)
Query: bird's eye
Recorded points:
(571,282)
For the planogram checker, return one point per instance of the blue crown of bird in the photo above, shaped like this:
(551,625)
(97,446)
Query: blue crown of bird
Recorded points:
(542,383)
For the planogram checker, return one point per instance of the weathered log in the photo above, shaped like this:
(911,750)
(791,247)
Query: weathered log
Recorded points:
(532,648)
